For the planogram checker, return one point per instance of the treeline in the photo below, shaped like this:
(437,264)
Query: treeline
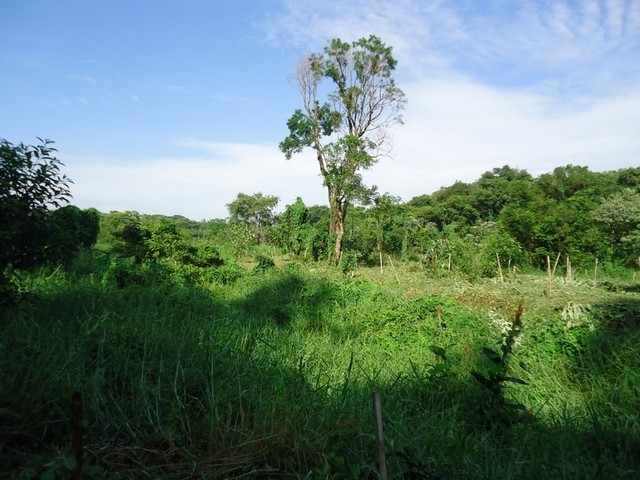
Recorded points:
(506,219)
(506,214)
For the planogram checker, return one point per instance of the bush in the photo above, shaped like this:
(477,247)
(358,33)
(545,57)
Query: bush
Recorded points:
(264,263)
(30,184)
(226,274)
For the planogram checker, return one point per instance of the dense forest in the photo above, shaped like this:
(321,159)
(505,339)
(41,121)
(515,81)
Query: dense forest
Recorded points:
(526,222)
(495,321)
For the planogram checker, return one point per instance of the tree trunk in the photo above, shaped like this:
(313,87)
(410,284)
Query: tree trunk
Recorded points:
(336,226)
(339,236)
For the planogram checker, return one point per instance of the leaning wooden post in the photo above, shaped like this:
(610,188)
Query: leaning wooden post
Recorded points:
(595,274)
(377,413)
(76,433)
(499,268)
(555,265)
(395,272)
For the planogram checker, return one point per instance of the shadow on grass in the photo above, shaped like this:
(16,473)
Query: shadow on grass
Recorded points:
(606,365)
(172,382)
(177,383)
(286,297)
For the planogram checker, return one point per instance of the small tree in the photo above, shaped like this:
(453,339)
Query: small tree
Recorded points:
(125,233)
(30,184)
(382,211)
(255,211)
(293,228)
(619,215)
(348,131)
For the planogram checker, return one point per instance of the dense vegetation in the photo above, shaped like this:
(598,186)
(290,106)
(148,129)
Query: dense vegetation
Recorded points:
(233,349)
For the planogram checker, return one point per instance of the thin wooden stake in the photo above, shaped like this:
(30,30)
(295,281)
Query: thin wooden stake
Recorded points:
(450,262)
(549,267)
(555,265)
(499,268)
(595,274)
(395,272)
(569,273)
(76,433)
(381,268)
(377,413)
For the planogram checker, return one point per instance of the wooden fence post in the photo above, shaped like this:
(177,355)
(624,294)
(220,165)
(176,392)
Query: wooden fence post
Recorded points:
(377,413)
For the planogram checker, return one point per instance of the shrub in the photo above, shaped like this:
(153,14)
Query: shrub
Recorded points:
(226,274)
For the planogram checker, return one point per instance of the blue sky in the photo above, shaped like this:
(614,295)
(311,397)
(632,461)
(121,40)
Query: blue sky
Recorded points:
(175,106)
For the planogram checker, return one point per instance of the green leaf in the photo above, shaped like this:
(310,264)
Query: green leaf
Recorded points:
(438,351)
(436,369)
(492,355)
(70,462)
(514,380)
(484,381)
(48,475)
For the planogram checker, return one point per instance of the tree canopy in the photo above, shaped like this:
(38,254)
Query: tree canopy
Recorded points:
(255,211)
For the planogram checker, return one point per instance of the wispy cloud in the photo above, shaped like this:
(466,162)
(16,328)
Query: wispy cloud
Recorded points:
(83,78)
(197,186)
(530,38)
(230,98)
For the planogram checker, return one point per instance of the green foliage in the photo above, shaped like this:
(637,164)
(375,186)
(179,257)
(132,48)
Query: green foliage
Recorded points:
(226,274)
(293,230)
(148,247)
(619,215)
(71,229)
(30,184)
(255,212)
(496,410)
(126,234)
(263,263)
(208,256)
(349,262)
(125,272)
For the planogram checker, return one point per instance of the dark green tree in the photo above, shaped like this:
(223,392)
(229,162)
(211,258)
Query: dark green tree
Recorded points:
(31,183)
(293,228)
(124,231)
(383,212)
(348,129)
(70,230)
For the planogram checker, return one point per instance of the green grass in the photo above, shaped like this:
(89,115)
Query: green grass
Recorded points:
(271,377)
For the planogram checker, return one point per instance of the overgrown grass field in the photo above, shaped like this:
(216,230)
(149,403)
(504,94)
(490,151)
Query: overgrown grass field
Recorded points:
(269,373)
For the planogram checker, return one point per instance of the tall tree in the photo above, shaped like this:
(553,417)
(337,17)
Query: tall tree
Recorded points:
(349,129)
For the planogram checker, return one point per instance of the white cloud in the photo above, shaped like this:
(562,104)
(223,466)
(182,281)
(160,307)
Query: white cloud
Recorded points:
(457,129)
(197,187)
(230,98)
